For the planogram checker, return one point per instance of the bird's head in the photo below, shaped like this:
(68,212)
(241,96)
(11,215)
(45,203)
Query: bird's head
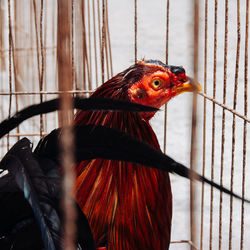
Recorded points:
(160,83)
(148,82)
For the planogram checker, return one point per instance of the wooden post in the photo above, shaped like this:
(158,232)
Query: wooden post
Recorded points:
(65,83)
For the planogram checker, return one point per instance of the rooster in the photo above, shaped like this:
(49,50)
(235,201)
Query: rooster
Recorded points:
(129,206)
(126,195)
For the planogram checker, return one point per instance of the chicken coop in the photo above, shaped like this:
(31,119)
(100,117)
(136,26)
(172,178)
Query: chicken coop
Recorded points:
(49,48)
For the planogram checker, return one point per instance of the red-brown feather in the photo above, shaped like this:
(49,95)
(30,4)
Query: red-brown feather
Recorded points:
(128,205)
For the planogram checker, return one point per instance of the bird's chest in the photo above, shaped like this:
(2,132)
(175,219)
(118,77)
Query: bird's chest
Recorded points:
(119,197)
(126,202)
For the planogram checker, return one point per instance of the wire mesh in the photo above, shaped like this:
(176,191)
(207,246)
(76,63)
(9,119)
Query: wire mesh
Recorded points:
(29,74)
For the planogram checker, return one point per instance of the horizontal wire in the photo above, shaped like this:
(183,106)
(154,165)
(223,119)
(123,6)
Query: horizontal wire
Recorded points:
(233,111)
(185,242)
(28,134)
(47,92)
(27,49)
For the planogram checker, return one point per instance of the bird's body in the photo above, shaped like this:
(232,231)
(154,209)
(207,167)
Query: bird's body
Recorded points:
(125,201)
(129,206)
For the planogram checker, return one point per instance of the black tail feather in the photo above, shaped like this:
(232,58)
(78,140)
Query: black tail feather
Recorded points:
(102,142)
(79,103)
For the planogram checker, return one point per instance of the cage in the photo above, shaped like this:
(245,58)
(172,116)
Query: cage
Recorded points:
(208,132)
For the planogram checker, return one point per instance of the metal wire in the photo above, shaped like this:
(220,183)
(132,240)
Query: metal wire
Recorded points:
(73,45)
(42,64)
(95,43)
(16,62)
(213,124)
(103,38)
(89,49)
(45,59)
(57,92)
(231,110)
(223,120)
(204,126)
(10,68)
(109,53)
(84,49)
(106,42)
(245,125)
(165,108)
(135,30)
(29,49)
(99,27)
(234,122)
(194,121)
(26,134)
(190,243)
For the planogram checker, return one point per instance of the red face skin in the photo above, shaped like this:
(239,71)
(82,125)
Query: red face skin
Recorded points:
(158,88)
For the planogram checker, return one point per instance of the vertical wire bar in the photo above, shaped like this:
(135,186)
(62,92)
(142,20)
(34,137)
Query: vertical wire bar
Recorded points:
(89,48)
(99,25)
(84,51)
(95,46)
(30,61)
(103,38)
(204,125)
(73,45)
(10,69)
(194,121)
(86,64)
(135,30)
(2,54)
(66,115)
(213,124)
(223,121)
(40,77)
(54,42)
(42,65)
(44,54)
(106,47)
(108,40)
(37,42)
(2,36)
(245,125)
(234,121)
(16,64)
(165,110)
(167,30)
(17,86)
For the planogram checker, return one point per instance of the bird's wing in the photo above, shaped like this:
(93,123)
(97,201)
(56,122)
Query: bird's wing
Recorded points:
(35,192)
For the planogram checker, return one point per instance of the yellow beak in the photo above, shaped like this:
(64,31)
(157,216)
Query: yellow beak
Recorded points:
(188,86)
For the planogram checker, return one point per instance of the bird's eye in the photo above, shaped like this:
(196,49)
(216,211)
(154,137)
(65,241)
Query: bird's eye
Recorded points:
(157,84)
